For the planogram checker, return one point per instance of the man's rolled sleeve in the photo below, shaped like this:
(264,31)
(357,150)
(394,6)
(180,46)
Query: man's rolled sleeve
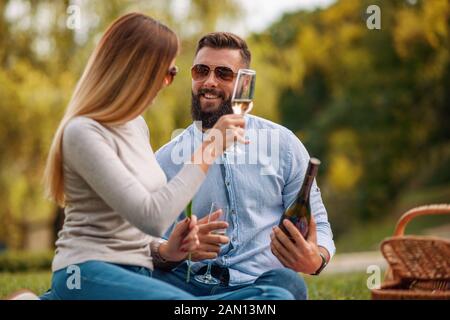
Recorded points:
(297,163)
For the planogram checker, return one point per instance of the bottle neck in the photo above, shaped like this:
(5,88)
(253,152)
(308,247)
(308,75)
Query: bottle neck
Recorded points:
(303,195)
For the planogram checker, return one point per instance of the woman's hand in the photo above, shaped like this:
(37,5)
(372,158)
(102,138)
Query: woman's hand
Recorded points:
(228,129)
(184,239)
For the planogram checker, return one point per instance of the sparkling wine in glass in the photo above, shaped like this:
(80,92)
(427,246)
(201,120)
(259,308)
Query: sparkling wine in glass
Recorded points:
(244,90)
(242,98)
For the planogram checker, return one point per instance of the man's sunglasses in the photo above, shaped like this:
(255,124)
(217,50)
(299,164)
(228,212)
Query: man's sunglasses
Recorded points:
(171,73)
(200,72)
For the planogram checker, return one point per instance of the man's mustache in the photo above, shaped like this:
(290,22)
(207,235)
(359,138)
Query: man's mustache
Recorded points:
(215,92)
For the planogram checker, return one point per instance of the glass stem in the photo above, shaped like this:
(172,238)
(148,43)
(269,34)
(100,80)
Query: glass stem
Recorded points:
(208,270)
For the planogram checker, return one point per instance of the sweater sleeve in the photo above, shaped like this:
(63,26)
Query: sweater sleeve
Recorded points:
(87,151)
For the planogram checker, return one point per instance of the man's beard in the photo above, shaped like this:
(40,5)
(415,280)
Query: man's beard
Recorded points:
(209,119)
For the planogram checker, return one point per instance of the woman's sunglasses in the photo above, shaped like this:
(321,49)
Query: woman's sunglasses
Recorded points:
(171,73)
(200,72)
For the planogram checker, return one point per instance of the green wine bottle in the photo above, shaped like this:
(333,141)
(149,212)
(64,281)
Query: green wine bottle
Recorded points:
(299,212)
(188,213)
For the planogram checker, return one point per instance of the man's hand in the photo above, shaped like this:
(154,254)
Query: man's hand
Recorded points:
(299,254)
(183,239)
(210,243)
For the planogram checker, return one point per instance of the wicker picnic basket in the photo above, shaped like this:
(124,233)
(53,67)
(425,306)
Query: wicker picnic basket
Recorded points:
(419,266)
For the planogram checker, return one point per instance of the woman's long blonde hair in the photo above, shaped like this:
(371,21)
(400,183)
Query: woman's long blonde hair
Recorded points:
(122,77)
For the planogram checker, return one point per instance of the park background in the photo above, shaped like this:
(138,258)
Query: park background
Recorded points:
(373,105)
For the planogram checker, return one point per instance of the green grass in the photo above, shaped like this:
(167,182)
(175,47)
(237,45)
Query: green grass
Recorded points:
(38,282)
(348,286)
(336,287)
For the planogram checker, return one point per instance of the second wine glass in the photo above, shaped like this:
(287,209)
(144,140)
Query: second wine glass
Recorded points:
(207,278)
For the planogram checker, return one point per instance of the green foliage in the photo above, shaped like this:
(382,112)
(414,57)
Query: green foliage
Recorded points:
(371,104)
(21,261)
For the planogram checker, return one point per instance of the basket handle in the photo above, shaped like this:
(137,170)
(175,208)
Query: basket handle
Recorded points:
(419,211)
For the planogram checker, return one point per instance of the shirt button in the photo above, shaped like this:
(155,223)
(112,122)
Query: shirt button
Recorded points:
(232,211)
(227,183)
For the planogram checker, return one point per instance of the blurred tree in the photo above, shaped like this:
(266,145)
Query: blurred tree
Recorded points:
(373,104)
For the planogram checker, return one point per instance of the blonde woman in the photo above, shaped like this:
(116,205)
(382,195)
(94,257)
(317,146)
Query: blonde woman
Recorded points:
(102,169)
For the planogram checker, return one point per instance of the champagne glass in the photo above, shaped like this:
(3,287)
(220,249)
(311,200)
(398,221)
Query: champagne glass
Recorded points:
(244,90)
(207,278)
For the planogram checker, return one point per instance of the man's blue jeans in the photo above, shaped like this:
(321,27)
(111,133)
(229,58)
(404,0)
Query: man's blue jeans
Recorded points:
(283,278)
(106,281)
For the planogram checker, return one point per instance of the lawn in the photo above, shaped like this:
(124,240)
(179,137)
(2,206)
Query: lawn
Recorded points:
(37,282)
(342,286)
(346,286)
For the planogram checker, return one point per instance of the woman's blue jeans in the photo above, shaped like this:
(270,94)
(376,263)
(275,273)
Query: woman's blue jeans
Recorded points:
(97,280)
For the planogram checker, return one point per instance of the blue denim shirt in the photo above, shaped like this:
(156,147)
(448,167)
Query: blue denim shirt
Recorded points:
(257,186)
